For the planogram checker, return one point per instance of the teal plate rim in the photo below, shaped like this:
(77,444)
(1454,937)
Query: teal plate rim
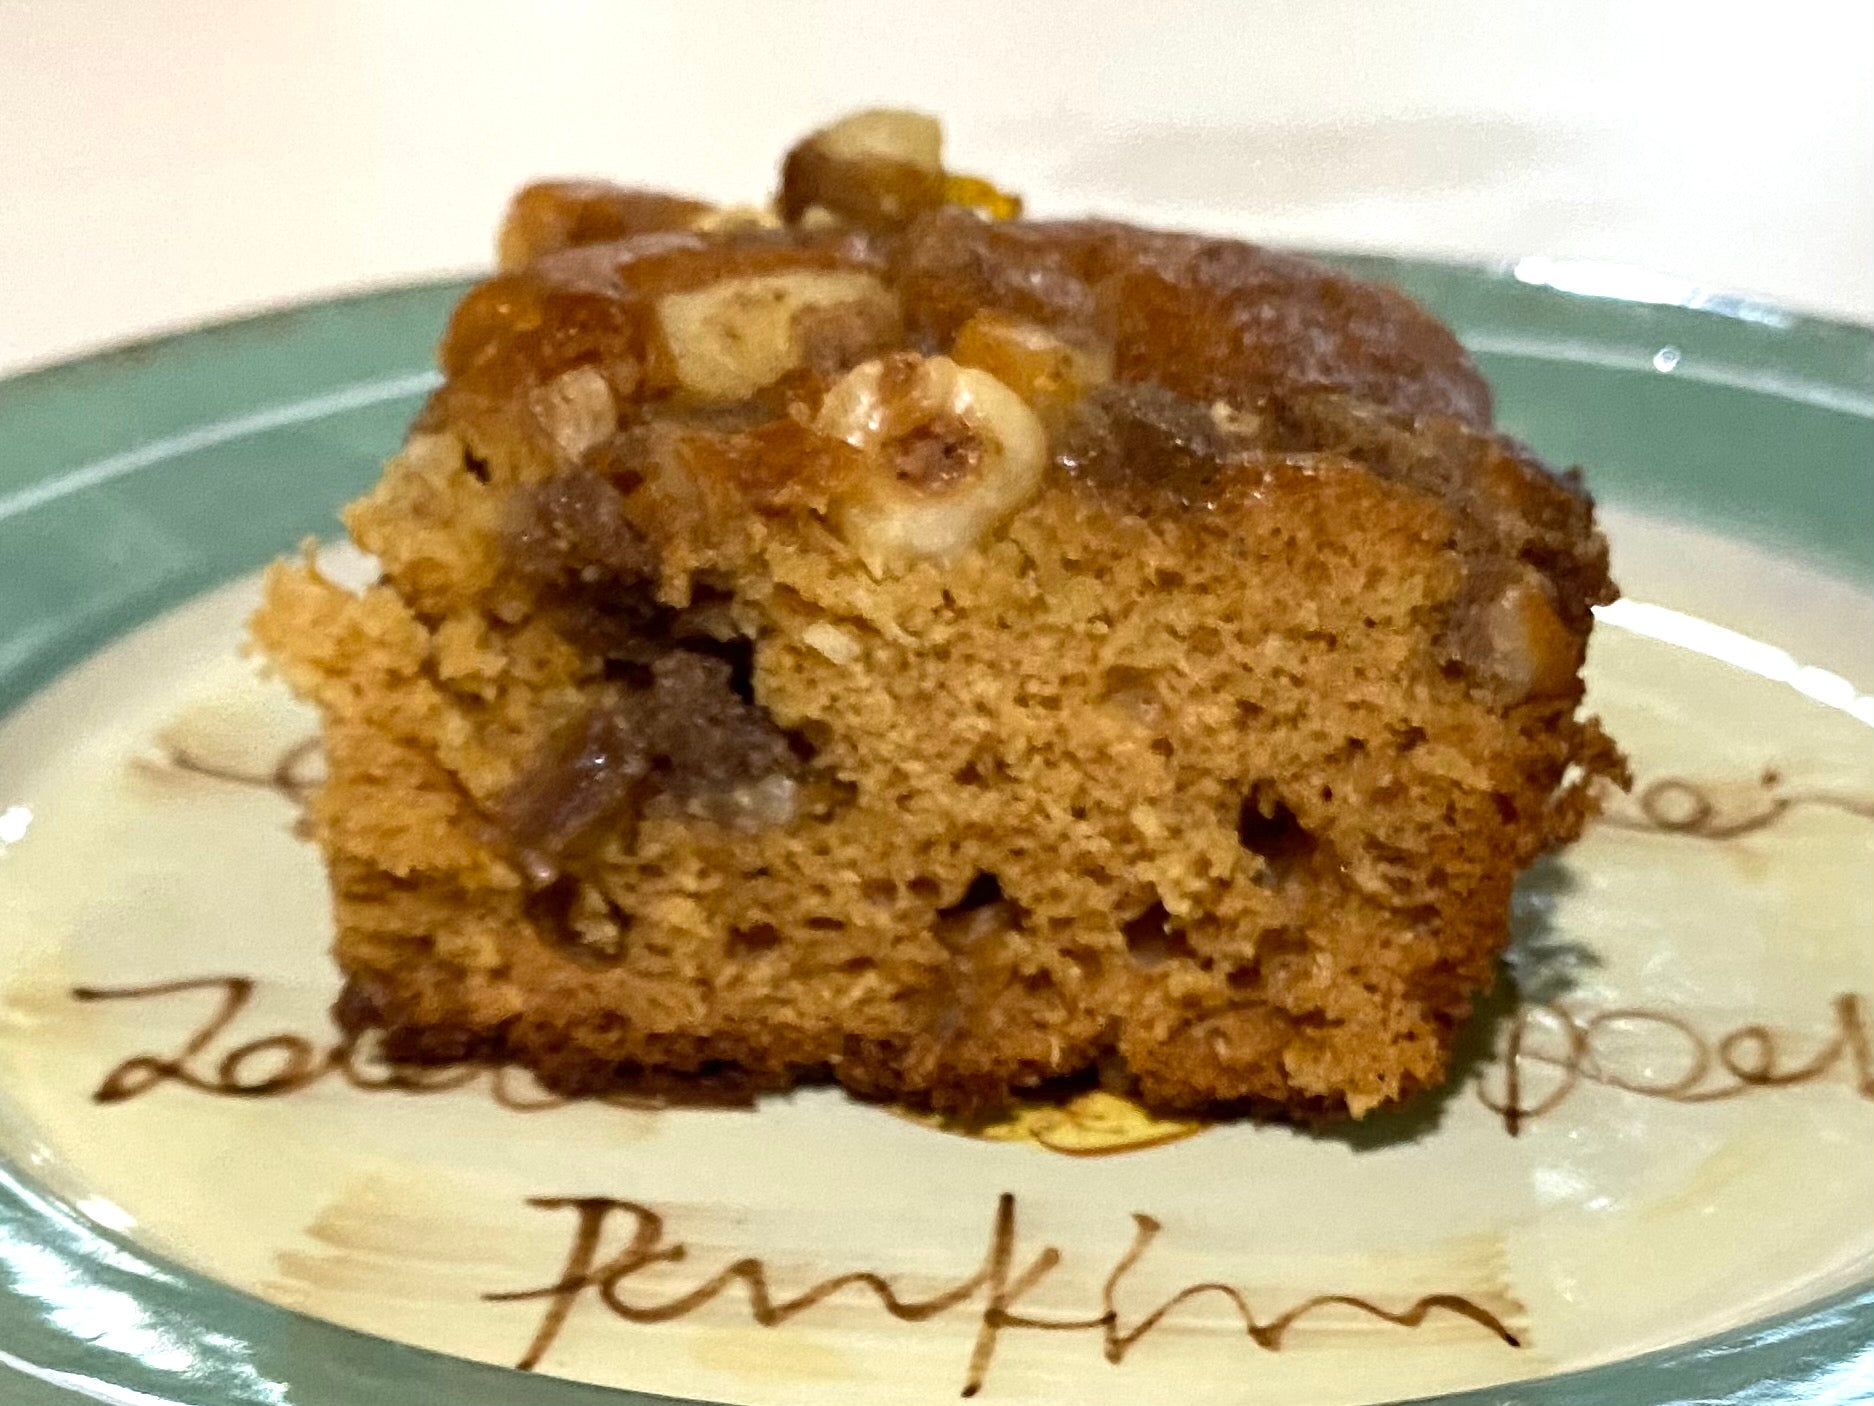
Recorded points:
(91,545)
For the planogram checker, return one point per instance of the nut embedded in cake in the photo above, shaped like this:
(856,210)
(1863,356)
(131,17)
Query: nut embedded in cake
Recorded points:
(890,639)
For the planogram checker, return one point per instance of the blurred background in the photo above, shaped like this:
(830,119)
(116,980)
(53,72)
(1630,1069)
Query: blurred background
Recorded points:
(164,163)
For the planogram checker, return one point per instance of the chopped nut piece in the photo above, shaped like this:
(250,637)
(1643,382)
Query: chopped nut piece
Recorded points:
(552,215)
(950,452)
(1234,422)
(576,409)
(1045,370)
(774,800)
(730,339)
(879,169)
(884,134)
(876,169)
(831,641)
(736,217)
(1523,642)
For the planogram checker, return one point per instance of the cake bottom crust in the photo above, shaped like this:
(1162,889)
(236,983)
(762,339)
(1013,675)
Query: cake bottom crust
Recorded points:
(590,1052)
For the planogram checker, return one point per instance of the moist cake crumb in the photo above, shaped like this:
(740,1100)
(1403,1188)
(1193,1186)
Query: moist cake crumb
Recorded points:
(893,640)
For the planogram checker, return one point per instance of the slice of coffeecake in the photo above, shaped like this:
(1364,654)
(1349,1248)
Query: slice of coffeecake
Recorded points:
(896,640)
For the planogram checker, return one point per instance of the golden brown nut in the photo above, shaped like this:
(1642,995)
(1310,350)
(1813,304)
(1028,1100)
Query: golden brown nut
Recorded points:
(729,339)
(552,215)
(1045,370)
(576,409)
(1524,644)
(949,453)
(879,169)
(876,169)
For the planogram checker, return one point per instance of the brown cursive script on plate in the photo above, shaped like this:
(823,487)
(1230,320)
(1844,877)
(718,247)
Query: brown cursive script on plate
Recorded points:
(1550,1052)
(294,775)
(1672,805)
(996,1281)
(285,1061)
(1574,1047)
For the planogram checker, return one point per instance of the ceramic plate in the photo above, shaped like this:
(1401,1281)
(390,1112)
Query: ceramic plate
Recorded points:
(1649,1182)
